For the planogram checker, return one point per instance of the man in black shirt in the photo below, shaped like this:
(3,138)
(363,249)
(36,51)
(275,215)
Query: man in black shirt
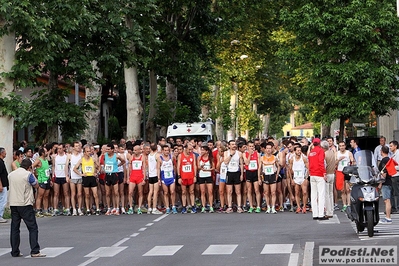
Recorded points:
(386,187)
(3,184)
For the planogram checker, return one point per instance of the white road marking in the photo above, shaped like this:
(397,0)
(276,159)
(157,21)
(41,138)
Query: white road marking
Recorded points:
(277,249)
(53,252)
(294,257)
(142,229)
(87,262)
(163,250)
(117,244)
(334,220)
(308,254)
(134,235)
(220,250)
(4,251)
(105,252)
(160,218)
(149,224)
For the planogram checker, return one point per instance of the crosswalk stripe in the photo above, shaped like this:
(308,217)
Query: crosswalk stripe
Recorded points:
(169,250)
(105,252)
(277,249)
(53,251)
(220,250)
(383,230)
(4,251)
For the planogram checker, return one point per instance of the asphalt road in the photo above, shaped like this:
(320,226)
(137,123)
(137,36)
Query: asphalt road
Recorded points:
(190,239)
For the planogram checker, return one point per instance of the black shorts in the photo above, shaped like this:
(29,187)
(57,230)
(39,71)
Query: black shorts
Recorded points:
(111,179)
(121,176)
(153,180)
(89,181)
(279,179)
(251,176)
(205,180)
(233,178)
(101,181)
(269,179)
(45,186)
(60,180)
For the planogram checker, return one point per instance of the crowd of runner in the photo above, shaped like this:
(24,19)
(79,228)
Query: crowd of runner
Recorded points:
(190,176)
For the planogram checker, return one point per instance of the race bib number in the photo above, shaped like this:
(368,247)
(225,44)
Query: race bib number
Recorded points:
(344,162)
(233,164)
(89,169)
(108,168)
(298,173)
(61,167)
(206,167)
(168,174)
(253,165)
(47,172)
(136,165)
(223,171)
(268,169)
(187,168)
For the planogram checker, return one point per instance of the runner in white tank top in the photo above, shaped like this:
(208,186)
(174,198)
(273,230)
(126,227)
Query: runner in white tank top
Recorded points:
(299,166)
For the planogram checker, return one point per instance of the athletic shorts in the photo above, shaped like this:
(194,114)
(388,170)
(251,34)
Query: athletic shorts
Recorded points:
(121,176)
(89,181)
(251,176)
(299,181)
(279,178)
(168,181)
(205,180)
(233,178)
(135,179)
(187,182)
(60,180)
(101,181)
(153,180)
(111,179)
(76,181)
(386,192)
(269,179)
(45,186)
(339,180)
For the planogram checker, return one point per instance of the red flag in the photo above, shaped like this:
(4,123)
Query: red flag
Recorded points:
(390,166)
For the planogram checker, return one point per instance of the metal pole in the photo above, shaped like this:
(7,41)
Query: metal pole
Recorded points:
(76,93)
(144,122)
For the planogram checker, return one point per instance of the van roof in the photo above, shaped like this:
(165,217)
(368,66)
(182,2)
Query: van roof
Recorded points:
(190,129)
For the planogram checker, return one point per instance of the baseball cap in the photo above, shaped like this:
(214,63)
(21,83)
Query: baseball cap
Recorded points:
(316,140)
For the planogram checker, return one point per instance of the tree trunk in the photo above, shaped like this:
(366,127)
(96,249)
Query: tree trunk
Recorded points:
(133,103)
(231,133)
(325,130)
(93,97)
(341,128)
(266,124)
(171,97)
(151,127)
(52,133)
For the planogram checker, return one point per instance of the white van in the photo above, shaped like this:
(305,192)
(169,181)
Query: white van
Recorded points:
(200,130)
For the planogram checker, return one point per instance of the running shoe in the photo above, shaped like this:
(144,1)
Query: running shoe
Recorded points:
(299,210)
(183,210)
(257,210)
(98,212)
(220,210)
(281,209)
(74,212)
(167,210)
(149,210)
(56,212)
(203,210)
(292,209)
(197,203)
(68,212)
(336,208)
(211,210)
(130,211)
(143,209)
(268,209)
(229,210)
(174,210)
(108,212)
(193,210)
(88,213)
(304,210)
(344,208)
(155,211)
(113,211)
(139,211)
(240,210)
(117,212)
(273,210)
(123,210)
(250,210)
(39,214)
(80,212)
(385,221)
(47,214)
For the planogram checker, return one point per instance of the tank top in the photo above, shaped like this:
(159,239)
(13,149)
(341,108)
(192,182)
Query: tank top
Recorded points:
(167,171)
(43,172)
(344,162)
(110,164)
(223,170)
(60,164)
(73,161)
(88,166)
(206,165)
(299,168)
(253,161)
(234,164)
(152,165)
(122,167)
(269,164)
(137,167)
(187,166)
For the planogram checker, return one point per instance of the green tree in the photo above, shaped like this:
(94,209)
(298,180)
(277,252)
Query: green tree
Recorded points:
(343,56)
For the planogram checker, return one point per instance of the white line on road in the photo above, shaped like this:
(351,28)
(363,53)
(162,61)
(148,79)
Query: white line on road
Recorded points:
(87,262)
(160,218)
(142,229)
(134,235)
(149,224)
(294,257)
(308,254)
(117,244)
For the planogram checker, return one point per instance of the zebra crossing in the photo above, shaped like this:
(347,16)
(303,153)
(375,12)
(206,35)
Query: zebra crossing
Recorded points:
(381,230)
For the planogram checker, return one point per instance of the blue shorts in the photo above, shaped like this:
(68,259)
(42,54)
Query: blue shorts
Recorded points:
(168,181)
(386,192)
